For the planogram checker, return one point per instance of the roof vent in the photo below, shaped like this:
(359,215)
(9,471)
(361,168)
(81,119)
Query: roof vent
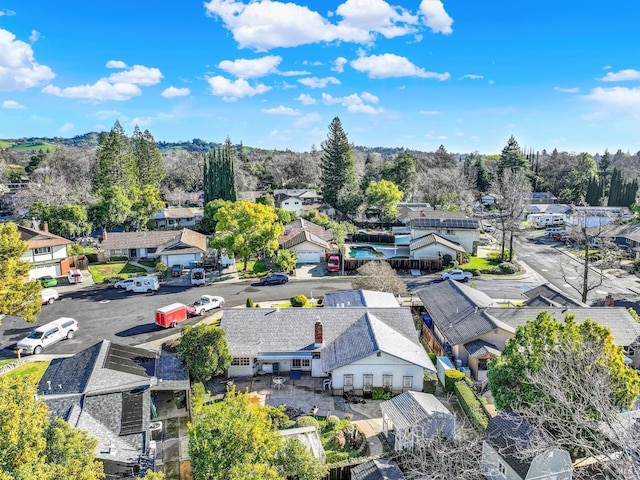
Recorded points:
(49,384)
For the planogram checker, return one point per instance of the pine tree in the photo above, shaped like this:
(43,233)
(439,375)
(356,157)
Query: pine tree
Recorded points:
(148,158)
(483,179)
(219,176)
(116,163)
(512,158)
(604,169)
(338,177)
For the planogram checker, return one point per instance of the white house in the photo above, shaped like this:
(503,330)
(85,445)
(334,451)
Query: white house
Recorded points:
(176,217)
(293,200)
(453,226)
(45,252)
(433,245)
(413,417)
(358,348)
(310,242)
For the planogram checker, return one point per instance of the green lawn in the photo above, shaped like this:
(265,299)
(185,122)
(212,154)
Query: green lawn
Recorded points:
(5,361)
(5,144)
(102,272)
(35,147)
(35,369)
(477,263)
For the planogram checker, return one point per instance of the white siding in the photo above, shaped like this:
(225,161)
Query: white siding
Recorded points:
(180,259)
(465,237)
(308,252)
(432,251)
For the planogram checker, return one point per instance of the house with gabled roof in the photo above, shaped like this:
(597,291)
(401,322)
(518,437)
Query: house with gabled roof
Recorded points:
(359,348)
(453,226)
(112,391)
(293,199)
(172,247)
(377,469)
(513,449)
(434,246)
(360,298)
(309,241)
(548,295)
(45,251)
(176,217)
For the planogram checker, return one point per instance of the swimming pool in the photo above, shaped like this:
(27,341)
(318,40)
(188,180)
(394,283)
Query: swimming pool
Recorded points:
(376,253)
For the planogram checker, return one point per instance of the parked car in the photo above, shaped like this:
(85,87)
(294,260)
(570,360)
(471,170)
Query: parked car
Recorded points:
(177,270)
(274,279)
(456,274)
(206,303)
(146,284)
(333,264)
(52,332)
(489,228)
(124,283)
(49,295)
(48,281)
(75,276)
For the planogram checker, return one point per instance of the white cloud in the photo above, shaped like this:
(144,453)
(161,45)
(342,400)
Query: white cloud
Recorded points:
(7,13)
(566,90)
(13,105)
(116,64)
(173,92)
(281,110)
(254,68)
(369,97)
(390,65)
(315,82)
(294,73)
(106,114)
(232,90)
(67,127)
(35,36)
(471,76)
(99,91)
(338,64)
(621,76)
(607,67)
(312,64)
(354,103)
(376,16)
(626,98)
(430,112)
(307,121)
(18,69)
(141,122)
(138,75)
(306,99)
(437,19)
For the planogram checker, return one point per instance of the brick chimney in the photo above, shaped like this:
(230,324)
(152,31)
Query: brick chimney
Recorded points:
(318,333)
(608,300)
(45,227)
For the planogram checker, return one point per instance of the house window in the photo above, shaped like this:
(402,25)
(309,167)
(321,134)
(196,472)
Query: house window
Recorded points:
(450,232)
(241,361)
(502,469)
(482,364)
(41,250)
(407,382)
(367,380)
(151,250)
(387,380)
(348,380)
(300,363)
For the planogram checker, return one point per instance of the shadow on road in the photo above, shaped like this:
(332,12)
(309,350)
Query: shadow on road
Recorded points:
(139,329)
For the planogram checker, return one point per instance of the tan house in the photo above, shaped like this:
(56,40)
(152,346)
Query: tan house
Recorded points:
(45,252)
(309,241)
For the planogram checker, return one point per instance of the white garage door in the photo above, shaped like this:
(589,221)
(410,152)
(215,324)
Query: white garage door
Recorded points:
(308,257)
(180,259)
(40,271)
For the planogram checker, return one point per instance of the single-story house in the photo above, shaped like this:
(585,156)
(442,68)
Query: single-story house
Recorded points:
(625,235)
(433,245)
(310,438)
(513,449)
(114,393)
(453,226)
(172,247)
(377,469)
(359,348)
(45,252)
(542,198)
(596,217)
(413,417)
(547,295)
(488,199)
(360,298)
(410,210)
(176,217)
(310,242)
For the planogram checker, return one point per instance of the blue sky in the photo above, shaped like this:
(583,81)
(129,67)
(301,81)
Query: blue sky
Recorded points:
(466,74)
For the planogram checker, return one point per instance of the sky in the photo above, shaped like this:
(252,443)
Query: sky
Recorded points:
(465,74)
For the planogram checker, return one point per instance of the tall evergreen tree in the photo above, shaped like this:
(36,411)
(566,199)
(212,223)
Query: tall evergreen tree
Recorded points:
(148,158)
(483,177)
(219,174)
(513,159)
(401,172)
(116,165)
(338,177)
(604,168)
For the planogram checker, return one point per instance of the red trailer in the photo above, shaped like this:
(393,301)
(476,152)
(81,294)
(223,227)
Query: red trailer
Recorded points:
(171,315)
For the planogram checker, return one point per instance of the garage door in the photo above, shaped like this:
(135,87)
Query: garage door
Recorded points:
(308,257)
(180,259)
(39,271)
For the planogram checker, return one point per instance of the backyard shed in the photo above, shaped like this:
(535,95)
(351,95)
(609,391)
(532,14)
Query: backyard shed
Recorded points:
(415,416)
(377,469)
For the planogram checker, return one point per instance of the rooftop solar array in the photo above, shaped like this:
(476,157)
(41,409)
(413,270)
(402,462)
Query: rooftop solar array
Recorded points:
(422,222)
(129,360)
(132,406)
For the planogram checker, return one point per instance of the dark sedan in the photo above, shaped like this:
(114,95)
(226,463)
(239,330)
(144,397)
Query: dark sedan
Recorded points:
(274,279)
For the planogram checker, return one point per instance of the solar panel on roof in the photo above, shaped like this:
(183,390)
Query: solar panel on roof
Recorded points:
(131,419)
(126,359)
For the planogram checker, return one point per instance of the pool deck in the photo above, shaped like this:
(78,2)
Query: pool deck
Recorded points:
(389,252)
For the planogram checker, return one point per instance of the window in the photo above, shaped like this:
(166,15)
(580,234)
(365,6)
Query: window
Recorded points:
(151,250)
(387,380)
(502,469)
(41,250)
(407,382)
(348,380)
(482,364)
(241,361)
(450,232)
(367,380)
(300,363)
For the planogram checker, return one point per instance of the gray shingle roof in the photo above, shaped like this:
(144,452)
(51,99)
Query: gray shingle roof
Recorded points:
(367,336)
(478,348)
(360,298)
(552,294)
(624,328)
(433,238)
(154,239)
(410,408)
(377,469)
(261,330)
(69,375)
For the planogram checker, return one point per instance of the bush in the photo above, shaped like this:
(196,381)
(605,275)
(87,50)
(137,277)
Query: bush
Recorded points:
(433,357)
(451,377)
(381,393)
(447,259)
(429,382)
(299,300)
(332,422)
(259,267)
(307,421)
(197,397)
(118,258)
(249,303)
(471,405)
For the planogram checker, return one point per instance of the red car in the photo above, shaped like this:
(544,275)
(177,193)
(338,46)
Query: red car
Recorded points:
(333,264)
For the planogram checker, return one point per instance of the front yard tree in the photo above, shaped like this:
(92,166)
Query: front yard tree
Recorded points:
(285,260)
(379,276)
(204,350)
(244,229)
(338,177)
(17,297)
(384,197)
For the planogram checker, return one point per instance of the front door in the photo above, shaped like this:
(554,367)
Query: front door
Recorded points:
(133,253)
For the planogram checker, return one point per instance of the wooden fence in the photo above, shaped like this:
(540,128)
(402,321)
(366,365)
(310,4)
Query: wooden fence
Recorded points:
(422,264)
(373,238)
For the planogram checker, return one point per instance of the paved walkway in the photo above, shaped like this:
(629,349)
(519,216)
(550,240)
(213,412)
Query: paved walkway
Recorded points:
(372,428)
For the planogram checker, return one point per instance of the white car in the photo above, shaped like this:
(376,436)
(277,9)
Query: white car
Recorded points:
(456,274)
(206,303)
(52,332)
(49,295)
(124,283)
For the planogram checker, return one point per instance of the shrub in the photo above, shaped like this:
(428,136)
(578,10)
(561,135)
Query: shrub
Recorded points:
(381,393)
(508,267)
(307,421)
(433,357)
(299,300)
(429,382)
(259,267)
(451,377)
(118,258)
(447,259)
(249,303)
(197,397)
(348,416)
(257,305)
(332,421)
(471,405)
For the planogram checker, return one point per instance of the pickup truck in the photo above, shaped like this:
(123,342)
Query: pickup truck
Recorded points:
(456,274)
(206,303)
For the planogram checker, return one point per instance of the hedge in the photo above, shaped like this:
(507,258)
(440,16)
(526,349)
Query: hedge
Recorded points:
(299,300)
(471,405)
(451,377)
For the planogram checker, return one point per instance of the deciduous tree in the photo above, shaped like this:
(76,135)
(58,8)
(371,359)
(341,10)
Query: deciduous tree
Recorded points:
(112,208)
(204,350)
(384,196)
(378,275)
(402,172)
